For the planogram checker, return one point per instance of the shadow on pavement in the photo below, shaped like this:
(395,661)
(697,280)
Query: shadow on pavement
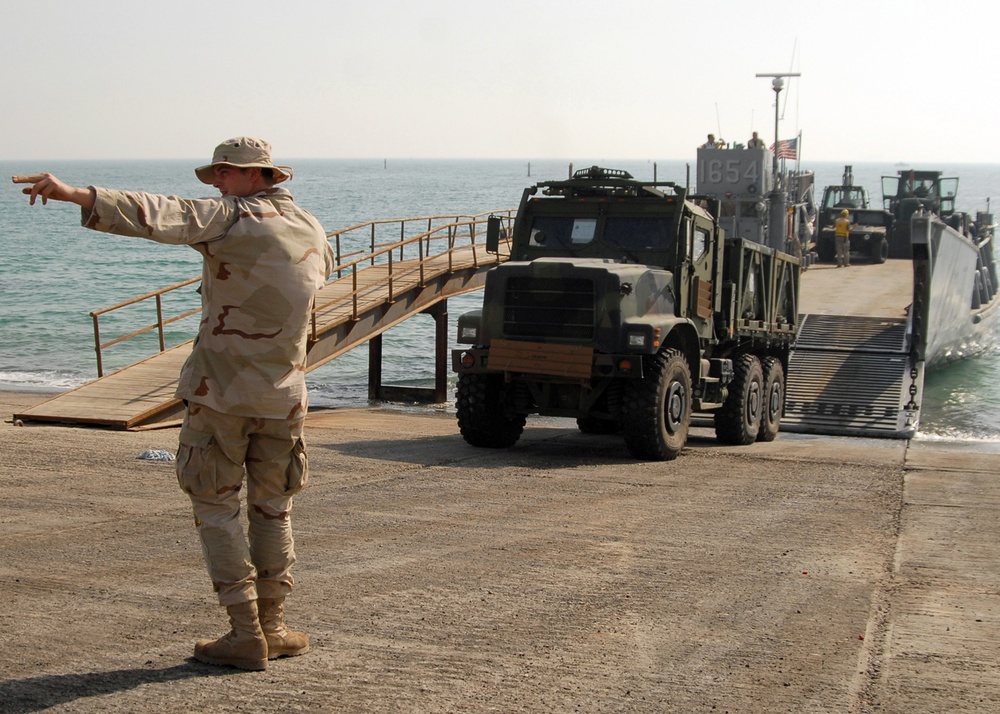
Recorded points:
(19,696)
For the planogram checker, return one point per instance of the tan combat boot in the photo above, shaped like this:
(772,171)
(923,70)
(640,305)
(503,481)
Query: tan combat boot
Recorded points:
(281,642)
(243,647)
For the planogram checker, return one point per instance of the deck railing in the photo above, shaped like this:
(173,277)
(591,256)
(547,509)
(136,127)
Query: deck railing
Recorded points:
(355,248)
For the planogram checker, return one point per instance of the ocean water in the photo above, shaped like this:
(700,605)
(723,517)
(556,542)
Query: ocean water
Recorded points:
(53,273)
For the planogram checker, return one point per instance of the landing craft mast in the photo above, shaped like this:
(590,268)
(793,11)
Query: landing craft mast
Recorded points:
(776,220)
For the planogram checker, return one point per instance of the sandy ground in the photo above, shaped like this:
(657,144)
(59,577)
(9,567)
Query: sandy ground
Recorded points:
(814,574)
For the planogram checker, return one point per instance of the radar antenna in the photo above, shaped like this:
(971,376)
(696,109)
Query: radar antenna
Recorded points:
(777,83)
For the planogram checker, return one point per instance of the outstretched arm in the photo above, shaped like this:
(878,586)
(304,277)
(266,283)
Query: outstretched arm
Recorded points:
(49,187)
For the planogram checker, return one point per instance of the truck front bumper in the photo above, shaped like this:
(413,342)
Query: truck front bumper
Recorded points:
(558,361)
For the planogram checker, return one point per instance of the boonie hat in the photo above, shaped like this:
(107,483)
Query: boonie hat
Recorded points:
(243,152)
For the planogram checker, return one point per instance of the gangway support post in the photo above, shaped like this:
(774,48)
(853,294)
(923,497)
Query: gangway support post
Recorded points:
(398,393)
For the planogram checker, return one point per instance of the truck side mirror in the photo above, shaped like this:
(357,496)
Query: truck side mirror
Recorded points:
(493,234)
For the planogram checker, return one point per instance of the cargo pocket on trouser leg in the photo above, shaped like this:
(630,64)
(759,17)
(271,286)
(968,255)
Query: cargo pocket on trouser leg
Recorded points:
(297,475)
(196,462)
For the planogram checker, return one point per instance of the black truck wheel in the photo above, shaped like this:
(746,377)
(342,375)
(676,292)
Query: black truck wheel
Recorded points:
(774,398)
(657,409)
(481,415)
(879,250)
(738,422)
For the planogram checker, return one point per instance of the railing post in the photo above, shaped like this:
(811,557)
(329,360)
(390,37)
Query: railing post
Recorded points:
(420,255)
(391,299)
(97,345)
(354,291)
(159,320)
(451,249)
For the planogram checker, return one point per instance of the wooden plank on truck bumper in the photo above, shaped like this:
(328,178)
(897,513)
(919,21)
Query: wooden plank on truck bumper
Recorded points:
(541,358)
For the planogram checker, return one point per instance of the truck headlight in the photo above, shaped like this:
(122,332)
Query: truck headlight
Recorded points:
(468,333)
(637,340)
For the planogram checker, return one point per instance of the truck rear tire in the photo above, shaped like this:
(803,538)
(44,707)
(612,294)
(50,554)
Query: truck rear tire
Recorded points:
(774,399)
(657,410)
(481,416)
(738,422)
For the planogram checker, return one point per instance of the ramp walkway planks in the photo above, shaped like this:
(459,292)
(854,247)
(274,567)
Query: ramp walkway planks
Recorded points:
(359,305)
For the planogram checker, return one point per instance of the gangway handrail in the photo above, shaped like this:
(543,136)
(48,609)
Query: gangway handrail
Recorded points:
(423,241)
(376,249)
(158,325)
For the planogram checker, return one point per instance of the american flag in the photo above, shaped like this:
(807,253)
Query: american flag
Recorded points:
(786,148)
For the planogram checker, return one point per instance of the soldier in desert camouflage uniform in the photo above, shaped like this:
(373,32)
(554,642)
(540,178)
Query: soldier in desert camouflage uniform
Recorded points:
(244,382)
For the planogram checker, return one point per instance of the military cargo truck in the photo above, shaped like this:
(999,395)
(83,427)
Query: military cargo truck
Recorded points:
(625,306)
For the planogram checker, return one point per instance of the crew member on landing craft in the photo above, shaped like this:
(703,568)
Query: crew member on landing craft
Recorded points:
(842,238)
(244,386)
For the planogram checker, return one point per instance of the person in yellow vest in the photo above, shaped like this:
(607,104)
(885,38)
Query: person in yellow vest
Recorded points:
(842,238)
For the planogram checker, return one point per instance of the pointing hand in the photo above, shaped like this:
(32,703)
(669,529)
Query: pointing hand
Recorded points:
(49,187)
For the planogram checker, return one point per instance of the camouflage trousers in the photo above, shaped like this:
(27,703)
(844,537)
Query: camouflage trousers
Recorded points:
(215,452)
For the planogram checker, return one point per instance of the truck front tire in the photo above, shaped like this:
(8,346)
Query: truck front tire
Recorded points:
(879,250)
(482,418)
(657,413)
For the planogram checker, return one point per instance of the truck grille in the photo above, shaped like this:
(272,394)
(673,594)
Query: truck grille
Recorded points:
(553,308)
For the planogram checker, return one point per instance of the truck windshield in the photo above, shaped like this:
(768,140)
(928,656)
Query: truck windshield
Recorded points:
(847,197)
(630,233)
(638,233)
(555,232)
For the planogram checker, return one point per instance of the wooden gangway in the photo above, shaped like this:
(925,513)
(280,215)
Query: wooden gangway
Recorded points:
(374,288)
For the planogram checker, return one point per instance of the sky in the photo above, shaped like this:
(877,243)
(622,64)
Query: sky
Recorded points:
(882,80)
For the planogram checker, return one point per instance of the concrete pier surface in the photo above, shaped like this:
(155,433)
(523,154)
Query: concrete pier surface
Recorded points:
(812,574)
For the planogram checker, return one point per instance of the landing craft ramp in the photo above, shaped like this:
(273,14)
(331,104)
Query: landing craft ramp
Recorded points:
(851,372)
(374,290)
(852,375)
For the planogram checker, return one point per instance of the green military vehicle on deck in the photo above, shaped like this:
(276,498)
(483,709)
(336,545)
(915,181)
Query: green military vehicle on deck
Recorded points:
(870,227)
(625,306)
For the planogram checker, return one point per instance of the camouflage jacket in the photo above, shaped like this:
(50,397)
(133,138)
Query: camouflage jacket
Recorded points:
(264,260)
